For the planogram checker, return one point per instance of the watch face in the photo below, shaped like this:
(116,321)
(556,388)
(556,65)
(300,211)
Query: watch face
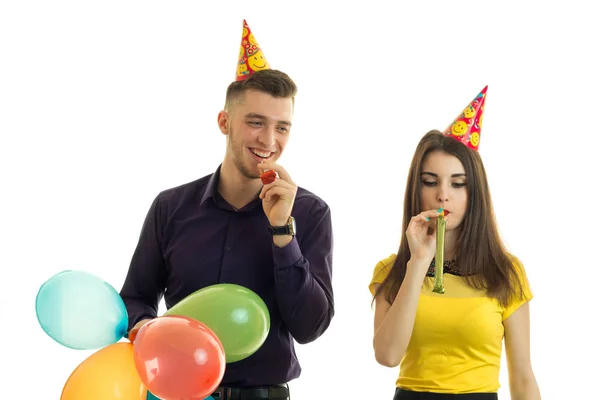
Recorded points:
(293,221)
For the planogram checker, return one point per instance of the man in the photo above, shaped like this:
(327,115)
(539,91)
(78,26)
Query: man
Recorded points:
(228,227)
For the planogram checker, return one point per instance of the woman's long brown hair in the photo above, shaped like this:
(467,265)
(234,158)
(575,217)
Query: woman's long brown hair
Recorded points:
(480,253)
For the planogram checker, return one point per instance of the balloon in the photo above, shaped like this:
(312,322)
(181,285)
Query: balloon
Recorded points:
(108,374)
(81,311)
(178,358)
(237,315)
(150,396)
(153,397)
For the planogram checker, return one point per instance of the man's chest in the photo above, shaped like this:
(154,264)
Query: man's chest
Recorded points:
(226,248)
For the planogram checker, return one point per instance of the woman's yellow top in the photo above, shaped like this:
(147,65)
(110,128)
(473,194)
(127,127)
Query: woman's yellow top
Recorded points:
(456,342)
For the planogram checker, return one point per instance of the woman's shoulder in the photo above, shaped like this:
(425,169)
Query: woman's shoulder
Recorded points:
(520,283)
(388,261)
(384,265)
(519,269)
(381,271)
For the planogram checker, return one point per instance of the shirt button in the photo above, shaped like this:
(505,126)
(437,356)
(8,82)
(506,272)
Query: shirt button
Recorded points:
(227,248)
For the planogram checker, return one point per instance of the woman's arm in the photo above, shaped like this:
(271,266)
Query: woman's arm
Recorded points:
(523,385)
(394,323)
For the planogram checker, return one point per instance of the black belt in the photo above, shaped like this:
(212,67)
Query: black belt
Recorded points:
(273,392)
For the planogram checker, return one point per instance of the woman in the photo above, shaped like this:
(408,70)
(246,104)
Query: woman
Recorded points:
(449,345)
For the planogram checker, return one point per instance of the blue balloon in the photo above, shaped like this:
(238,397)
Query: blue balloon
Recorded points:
(150,396)
(81,311)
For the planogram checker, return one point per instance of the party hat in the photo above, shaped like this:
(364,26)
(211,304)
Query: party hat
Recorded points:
(251,57)
(466,128)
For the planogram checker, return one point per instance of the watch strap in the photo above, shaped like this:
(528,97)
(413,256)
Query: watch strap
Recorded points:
(279,230)
(287,229)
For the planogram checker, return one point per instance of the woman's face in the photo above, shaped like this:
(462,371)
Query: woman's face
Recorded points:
(444,185)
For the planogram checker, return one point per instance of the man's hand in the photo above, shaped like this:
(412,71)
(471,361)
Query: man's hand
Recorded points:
(278,196)
(133,332)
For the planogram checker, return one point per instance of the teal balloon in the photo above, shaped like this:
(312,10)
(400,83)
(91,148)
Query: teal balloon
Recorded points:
(81,311)
(150,396)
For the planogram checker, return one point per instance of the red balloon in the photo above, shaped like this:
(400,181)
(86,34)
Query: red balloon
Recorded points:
(178,357)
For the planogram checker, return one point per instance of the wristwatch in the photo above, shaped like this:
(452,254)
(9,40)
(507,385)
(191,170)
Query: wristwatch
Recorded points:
(288,229)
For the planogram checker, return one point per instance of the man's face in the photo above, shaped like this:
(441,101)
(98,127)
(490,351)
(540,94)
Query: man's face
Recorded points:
(257,128)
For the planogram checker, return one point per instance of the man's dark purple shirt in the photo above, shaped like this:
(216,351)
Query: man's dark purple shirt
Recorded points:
(192,238)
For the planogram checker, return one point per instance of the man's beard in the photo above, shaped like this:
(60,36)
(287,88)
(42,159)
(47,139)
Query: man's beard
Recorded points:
(238,159)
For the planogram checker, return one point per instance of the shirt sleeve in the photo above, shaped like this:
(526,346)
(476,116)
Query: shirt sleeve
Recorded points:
(381,271)
(144,284)
(518,301)
(303,278)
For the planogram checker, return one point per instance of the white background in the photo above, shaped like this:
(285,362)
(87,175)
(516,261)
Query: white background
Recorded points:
(105,103)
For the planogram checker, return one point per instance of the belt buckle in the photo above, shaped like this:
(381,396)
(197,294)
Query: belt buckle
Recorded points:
(277,390)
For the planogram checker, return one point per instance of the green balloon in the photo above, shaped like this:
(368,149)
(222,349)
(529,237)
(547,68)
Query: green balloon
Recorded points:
(237,315)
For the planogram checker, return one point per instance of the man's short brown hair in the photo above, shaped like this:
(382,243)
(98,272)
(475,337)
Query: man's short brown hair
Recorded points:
(270,81)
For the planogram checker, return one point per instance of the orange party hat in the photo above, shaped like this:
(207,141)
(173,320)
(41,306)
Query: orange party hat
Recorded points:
(251,57)
(466,128)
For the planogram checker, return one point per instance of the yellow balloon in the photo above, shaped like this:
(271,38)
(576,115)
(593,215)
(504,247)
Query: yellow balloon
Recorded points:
(108,374)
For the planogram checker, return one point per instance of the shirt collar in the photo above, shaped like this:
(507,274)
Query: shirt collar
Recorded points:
(213,184)
(213,192)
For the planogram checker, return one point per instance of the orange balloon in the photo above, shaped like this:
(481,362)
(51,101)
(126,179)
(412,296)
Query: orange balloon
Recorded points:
(108,374)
